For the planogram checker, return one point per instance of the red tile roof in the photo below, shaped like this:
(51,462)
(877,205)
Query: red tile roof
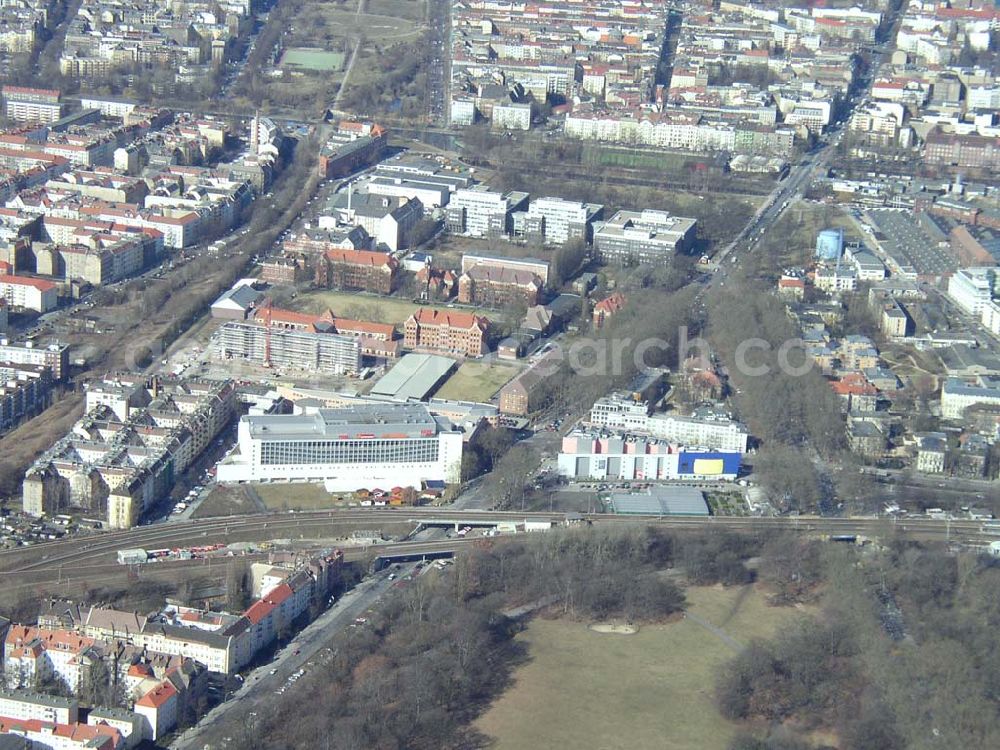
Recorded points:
(40,284)
(431,317)
(102,736)
(158,696)
(361,257)
(611,305)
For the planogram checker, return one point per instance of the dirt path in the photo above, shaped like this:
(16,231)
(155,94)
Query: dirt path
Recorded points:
(718,632)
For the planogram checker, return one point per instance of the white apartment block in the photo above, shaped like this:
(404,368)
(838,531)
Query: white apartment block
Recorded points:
(219,652)
(618,412)
(684,133)
(957,396)
(706,428)
(834,280)
(558,220)
(712,431)
(32,294)
(21,704)
(990,317)
(32,105)
(159,708)
(511,117)
(483,209)
(34,655)
(972,288)
(983,97)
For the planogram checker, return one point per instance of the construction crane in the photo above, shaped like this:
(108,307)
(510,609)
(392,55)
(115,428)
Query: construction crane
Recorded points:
(267,332)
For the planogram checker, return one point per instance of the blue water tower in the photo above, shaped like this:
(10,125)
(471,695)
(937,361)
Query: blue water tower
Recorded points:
(830,244)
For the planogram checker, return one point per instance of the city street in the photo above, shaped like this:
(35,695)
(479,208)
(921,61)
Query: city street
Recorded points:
(302,652)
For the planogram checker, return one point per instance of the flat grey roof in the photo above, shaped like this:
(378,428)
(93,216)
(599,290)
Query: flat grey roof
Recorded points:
(661,501)
(52,701)
(360,421)
(415,376)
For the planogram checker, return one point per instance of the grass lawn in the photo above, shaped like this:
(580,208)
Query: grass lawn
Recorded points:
(379,21)
(295,496)
(654,689)
(476,381)
(366,307)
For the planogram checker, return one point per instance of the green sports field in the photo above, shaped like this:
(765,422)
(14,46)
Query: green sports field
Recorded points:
(308,58)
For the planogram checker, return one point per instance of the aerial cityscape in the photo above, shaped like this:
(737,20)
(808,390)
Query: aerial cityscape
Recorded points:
(384,374)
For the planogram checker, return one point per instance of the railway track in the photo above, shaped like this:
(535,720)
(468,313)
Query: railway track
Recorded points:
(94,558)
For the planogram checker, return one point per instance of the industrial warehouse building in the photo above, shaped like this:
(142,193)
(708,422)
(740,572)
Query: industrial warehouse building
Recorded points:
(589,454)
(415,377)
(365,446)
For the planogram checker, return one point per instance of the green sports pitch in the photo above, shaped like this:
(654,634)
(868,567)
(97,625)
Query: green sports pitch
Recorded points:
(307,58)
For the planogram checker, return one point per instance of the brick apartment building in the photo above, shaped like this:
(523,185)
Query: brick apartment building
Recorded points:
(979,152)
(357,269)
(526,392)
(449,332)
(377,339)
(353,146)
(496,287)
(281,271)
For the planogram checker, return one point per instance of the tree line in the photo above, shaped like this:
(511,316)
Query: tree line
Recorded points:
(432,657)
(902,653)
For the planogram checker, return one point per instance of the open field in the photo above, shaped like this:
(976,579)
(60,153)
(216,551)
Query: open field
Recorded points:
(653,689)
(295,496)
(367,307)
(476,381)
(226,501)
(383,25)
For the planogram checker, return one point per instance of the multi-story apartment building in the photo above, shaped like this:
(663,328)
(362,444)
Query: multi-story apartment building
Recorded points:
(511,116)
(526,392)
(224,652)
(22,704)
(54,356)
(123,456)
(353,145)
(972,288)
(58,736)
(386,218)
(33,656)
(28,293)
(357,269)
(494,287)
(980,152)
(27,104)
(369,445)
(25,390)
(287,347)
(647,236)
(447,332)
(555,220)
(957,395)
(705,428)
(478,211)
(619,412)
